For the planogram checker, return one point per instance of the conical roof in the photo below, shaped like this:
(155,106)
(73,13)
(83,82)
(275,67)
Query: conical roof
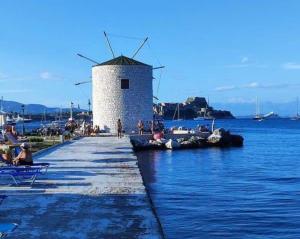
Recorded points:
(122,60)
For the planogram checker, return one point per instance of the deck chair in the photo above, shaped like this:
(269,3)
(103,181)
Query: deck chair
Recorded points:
(7,228)
(22,173)
(44,166)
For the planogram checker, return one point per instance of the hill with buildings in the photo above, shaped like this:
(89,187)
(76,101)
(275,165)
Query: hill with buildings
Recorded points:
(192,108)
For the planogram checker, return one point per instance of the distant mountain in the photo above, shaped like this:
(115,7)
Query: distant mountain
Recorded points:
(248,109)
(13,106)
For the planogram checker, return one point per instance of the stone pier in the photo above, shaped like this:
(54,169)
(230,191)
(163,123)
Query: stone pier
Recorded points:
(93,189)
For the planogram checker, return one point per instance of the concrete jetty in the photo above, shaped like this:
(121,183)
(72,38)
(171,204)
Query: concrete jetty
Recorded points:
(93,189)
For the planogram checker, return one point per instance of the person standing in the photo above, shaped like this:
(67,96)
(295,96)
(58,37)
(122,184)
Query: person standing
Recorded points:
(152,126)
(119,128)
(140,127)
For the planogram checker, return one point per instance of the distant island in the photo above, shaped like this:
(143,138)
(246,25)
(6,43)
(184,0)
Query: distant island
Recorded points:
(193,107)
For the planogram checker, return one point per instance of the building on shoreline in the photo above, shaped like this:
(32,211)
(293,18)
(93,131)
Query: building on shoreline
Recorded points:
(122,89)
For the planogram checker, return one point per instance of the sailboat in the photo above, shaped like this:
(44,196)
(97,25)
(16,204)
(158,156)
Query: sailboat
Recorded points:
(258,116)
(177,110)
(44,118)
(59,120)
(297,117)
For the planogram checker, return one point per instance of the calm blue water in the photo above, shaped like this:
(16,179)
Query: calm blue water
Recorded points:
(29,126)
(249,192)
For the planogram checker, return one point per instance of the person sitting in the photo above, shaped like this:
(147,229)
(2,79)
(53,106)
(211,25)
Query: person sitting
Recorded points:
(24,157)
(5,153)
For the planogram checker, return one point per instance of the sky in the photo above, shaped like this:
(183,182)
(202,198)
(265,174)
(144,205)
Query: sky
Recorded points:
(229,51)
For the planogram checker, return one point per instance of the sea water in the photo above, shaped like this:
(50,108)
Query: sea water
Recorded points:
(248,192)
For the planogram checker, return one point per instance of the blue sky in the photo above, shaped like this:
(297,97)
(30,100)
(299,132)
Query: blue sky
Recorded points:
(231,51)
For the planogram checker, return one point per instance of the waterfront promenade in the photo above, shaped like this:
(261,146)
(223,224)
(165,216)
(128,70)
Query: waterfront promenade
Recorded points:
(93,189)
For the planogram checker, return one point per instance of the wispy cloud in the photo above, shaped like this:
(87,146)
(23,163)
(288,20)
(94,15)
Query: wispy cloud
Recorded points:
(225,88)
(237,66)
(246,62)
(46,75)
(291,66)
(253,85)
(265,86)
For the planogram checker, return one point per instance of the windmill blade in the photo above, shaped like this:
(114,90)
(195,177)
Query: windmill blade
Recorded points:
(137,51)
(83,82)
(158,67)
(108,42)
(89,59)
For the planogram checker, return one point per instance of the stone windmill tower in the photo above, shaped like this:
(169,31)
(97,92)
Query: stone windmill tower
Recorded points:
(121,89)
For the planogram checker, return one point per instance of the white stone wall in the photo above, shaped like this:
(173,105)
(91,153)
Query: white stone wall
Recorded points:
(110,102)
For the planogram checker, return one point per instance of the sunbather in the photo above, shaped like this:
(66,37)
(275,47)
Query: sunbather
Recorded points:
(5,153)
(24,157)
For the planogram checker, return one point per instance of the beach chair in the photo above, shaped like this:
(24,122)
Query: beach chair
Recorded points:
(21,173)
(44,166)
(7,228)
(2,197)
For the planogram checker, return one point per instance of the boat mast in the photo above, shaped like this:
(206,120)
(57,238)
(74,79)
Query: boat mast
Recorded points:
(71,110)
(297,106)
(178,112)
(45,117)
(257,107)
(1,105)
(175,112)
(207,105)
(60,113)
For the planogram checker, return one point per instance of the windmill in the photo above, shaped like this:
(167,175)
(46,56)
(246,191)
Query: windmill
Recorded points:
(113,55)
(122,89)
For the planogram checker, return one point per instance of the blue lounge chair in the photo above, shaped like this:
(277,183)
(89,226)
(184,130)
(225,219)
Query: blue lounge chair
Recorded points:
(2,197)
(7,228)
(44,166)
(21,173)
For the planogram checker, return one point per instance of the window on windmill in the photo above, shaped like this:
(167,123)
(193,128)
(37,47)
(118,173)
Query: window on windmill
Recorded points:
(124,84)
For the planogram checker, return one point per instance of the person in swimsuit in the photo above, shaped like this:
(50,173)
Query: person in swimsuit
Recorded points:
(5,155)
(24,157)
